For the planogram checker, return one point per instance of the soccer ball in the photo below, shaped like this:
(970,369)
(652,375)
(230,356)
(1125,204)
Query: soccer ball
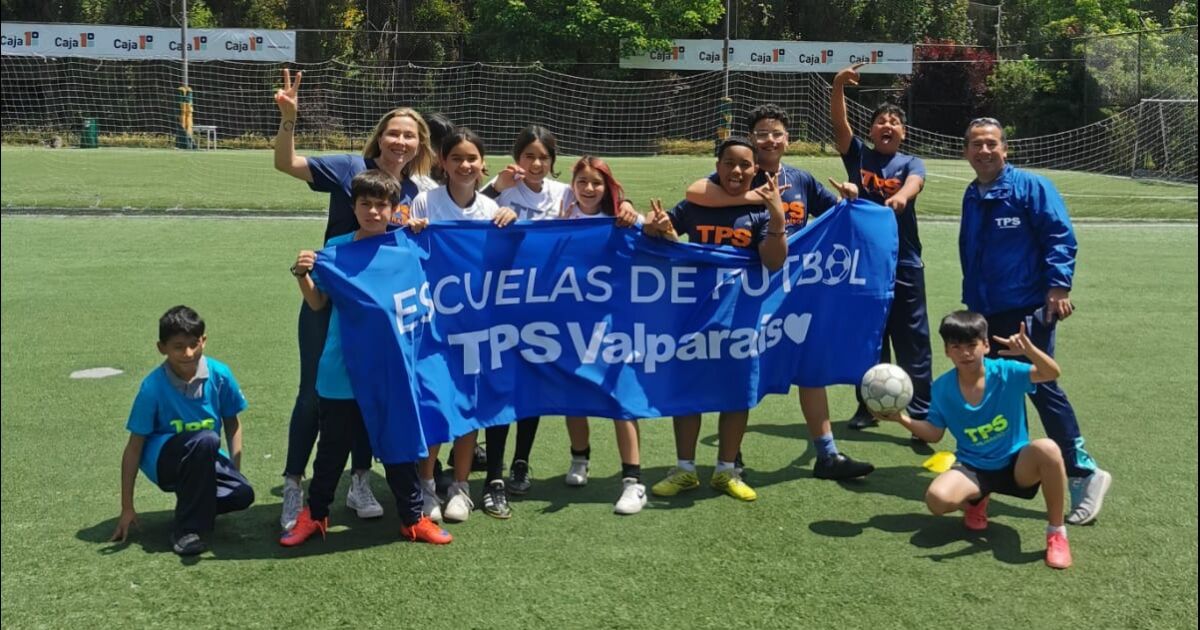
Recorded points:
(886,389)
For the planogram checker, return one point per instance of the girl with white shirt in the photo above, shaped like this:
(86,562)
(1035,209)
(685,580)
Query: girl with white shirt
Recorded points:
(595,192)
(458,200)
(527,186)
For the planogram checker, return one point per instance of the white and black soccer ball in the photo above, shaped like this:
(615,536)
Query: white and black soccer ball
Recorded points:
(886,389)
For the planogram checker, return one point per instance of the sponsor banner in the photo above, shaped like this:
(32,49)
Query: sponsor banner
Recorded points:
(134,42)
(466,325)
(777,56)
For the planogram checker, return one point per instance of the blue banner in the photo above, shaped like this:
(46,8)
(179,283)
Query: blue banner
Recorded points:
(466,325)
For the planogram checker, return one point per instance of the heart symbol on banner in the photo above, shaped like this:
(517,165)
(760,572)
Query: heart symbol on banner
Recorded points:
(796,326)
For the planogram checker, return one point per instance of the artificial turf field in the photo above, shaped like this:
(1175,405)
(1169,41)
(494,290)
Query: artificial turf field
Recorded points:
(159,179)
(86,291)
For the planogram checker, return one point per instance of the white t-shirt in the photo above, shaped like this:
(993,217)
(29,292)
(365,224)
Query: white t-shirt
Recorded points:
(535,206)
(436,205)
(571,210)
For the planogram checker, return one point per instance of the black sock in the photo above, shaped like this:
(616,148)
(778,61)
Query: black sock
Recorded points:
(585,453)
(496,438)
(526,431)
(633,471)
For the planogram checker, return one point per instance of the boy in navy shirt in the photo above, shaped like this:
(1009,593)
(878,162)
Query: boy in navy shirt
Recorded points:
(803,197)
(748,226)
(175,435)
(982,402)
(890,178)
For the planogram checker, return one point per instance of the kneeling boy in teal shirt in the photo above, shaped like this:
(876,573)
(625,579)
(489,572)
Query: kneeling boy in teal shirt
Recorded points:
(175,435)
(982,402)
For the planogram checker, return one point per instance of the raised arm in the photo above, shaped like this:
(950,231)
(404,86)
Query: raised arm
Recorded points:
(773,249)
(703,192)
(842,133)
(1044,369)
(288,101)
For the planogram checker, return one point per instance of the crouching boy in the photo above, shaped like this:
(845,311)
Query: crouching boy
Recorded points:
(982,402)
(175,435)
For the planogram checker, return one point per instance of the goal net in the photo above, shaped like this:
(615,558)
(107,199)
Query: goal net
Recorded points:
(133,103)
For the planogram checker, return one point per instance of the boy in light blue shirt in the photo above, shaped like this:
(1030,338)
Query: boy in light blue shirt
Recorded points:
(175,435)
(982,402)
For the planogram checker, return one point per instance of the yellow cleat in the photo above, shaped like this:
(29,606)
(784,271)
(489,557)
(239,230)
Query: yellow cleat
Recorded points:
(676,481)
(730,483)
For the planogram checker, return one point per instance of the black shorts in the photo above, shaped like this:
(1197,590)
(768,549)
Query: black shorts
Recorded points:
(1002,481)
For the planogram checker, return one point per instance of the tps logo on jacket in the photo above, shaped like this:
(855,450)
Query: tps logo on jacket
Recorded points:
(1008,223)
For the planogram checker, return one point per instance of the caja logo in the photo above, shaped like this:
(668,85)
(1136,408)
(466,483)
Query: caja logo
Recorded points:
(875,56)
(143,42)
(252,43)
(86,40)
(199,42)
(668,55)
(825,56)
(25,40)
(775,55)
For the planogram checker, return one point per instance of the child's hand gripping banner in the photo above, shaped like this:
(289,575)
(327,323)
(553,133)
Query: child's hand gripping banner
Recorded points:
(467,325)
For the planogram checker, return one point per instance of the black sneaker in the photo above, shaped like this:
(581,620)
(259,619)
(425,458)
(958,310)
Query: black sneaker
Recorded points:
(518,477)
(479,460)
(495,500)
(841,467)
(860,422)
(188,544)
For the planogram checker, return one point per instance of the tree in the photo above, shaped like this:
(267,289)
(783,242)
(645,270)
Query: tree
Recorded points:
(584,31)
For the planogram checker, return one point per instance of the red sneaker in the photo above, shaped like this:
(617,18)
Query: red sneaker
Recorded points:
(304,528)
(425,530)
(975,516)
(1058,551)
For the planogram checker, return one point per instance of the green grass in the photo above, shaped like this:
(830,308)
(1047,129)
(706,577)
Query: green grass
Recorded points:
(85,292)
(168,179)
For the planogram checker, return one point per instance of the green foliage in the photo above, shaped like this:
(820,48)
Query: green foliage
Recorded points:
(583,31)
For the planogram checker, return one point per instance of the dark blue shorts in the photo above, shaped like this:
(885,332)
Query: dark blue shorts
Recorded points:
(1002,481)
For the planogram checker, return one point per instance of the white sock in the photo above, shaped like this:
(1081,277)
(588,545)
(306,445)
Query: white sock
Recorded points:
(1061,529)
(686,464)
(724,467)
(428,485)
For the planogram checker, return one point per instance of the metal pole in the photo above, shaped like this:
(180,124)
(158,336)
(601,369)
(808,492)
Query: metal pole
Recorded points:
(999,10)
(183,42)
(725,52)
(1138,96)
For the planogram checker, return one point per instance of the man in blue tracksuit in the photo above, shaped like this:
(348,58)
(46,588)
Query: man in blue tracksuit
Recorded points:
(1017,250)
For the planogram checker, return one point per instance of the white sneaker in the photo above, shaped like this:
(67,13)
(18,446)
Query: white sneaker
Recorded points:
(458,508)
(633,498)
(431,506)
(578,474)
(293,502)
(1087,496)
(360,498)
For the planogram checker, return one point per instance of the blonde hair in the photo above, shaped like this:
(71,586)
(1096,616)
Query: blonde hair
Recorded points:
(420,165)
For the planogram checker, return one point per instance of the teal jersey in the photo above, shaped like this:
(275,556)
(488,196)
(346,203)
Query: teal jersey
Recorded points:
(161,411)
(989,434)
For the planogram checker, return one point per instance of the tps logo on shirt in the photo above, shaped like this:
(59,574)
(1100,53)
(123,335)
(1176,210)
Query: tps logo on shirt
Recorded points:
(795,212)
(723,235)
(1008,223)
(983,433)
(879,185)
(400,216)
